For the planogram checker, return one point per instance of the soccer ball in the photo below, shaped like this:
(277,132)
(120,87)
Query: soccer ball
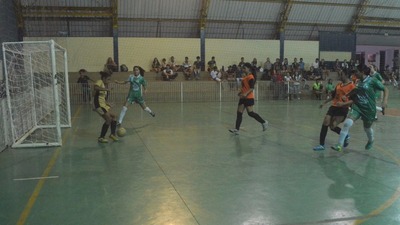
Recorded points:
(121,132)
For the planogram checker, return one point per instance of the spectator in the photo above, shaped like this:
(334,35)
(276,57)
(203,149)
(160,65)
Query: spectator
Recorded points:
(267,70)
(110,66)
(197,68)
(324,69)
(84,81)
(187,69)
(163,64)
(301,65)
(168,74)
(156,65)
(216,74)
(211,64)
(241,63)
(329,89)
(254,64)
(172,64)
(317,88)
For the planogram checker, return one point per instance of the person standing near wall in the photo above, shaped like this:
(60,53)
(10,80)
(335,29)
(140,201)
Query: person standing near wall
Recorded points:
(84,81)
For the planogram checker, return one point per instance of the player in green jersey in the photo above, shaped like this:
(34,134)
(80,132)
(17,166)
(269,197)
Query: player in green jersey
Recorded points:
(136,82)
(363,105)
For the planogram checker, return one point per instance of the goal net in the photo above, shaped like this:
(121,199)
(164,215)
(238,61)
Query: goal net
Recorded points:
(37,92)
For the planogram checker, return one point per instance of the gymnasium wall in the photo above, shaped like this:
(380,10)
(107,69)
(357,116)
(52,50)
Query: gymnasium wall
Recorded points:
(91,53)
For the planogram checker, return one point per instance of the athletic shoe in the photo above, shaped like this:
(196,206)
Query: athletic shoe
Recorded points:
(337,148)
(369,145)
(118,124)
(113,137)
(102,140)
(264,126)
(383,110)
(346,141)
(234,131)
(319,148)
(152,114)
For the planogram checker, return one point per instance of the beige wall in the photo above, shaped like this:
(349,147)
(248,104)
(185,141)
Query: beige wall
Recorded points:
(91,53)
(332,56)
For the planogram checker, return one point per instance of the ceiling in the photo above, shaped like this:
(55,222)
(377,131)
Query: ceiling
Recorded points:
(224,19)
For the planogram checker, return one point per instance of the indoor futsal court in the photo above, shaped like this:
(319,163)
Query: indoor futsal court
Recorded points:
(183,167)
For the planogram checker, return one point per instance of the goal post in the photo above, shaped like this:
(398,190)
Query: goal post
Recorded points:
(37,92)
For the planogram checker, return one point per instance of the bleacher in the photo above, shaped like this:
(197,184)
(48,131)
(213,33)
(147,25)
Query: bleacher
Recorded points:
(181,90)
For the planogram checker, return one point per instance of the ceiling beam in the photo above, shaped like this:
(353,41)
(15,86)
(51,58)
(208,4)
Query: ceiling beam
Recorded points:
(359,14)
(204,13)
(311,3)
(283,17)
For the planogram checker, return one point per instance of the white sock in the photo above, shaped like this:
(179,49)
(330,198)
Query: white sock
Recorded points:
(122,114)
(147,109)
(370,134)
(379,108)
(345,130)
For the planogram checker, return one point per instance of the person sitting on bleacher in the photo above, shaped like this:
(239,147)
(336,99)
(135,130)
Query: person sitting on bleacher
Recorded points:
(317,88)
(168,74)
(187,69)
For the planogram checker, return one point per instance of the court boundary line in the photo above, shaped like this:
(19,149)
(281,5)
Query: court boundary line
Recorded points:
(32,199)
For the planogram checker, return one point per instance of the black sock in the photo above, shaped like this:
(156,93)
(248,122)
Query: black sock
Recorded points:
(104,130)
(113,127)
(238,120)
(322,134)
(336,130)
(257,117)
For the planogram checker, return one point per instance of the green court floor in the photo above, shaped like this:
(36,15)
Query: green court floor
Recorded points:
(183,167)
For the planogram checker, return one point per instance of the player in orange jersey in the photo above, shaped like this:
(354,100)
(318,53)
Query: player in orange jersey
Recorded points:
(246,95)
(335,114)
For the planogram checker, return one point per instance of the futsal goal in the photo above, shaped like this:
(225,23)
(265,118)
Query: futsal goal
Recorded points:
(36,75)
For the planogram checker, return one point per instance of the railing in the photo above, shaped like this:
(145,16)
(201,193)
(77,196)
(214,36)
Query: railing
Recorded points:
(191,91)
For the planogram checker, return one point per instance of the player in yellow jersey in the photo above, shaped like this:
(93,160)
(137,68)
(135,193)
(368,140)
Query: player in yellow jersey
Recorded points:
(103,108)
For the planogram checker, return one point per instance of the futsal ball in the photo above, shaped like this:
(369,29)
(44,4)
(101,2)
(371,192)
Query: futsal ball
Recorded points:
(121,132)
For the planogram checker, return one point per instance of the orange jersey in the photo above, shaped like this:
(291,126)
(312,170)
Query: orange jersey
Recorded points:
(246,86)
(341,92)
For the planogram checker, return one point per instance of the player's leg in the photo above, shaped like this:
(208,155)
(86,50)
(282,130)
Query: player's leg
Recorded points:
(251,113)
(353,116)
(106,124)
(370,133)
(239,116)
(123,111)
(113,124)
(323,132)
(142,104)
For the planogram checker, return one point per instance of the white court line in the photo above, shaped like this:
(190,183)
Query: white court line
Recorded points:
(35,178)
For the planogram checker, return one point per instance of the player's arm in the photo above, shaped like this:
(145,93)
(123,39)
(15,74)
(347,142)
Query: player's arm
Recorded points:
(98,88)
(121,82)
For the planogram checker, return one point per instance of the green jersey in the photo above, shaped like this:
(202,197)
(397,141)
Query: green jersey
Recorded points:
(378,77)
(136,83)
(330,87)
(363,97)
(135,90)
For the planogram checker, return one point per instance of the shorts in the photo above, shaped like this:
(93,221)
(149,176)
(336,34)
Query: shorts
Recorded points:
(246,101)
(101,111)
(135,97)
(356,114)
(337,111)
